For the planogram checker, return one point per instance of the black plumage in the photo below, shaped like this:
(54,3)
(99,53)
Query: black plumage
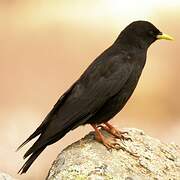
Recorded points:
(101,91)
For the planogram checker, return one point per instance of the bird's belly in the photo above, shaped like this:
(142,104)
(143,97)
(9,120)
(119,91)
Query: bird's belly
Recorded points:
(116,103)
(111,108)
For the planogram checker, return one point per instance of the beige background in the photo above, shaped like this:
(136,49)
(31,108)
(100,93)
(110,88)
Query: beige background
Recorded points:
(46,45)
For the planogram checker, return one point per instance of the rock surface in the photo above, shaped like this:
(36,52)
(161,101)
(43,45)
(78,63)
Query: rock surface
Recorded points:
(4,176)
(88,159)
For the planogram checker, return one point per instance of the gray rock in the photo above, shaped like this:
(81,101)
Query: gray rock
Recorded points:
(4,176)
(87,159)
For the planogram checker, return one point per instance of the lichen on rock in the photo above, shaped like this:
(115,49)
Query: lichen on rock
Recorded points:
(87,159)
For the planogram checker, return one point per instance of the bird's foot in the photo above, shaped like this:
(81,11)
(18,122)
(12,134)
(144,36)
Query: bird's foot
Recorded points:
(110,143)
(107,142)
(115,132)
(120,135)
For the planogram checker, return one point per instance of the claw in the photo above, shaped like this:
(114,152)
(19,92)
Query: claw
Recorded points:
(112,144)
(124,132)
(125,138)
(109,145)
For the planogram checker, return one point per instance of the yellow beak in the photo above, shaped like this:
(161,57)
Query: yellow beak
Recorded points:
(164,36)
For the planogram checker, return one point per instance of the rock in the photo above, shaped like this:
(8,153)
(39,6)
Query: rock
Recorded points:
(4,176)
(87,159)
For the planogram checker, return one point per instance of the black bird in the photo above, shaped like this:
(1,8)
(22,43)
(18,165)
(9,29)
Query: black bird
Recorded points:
(100,92)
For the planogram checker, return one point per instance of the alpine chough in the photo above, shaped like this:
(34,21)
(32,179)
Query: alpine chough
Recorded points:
(100,92)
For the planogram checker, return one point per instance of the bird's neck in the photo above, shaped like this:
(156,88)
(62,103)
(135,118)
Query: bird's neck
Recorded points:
(131,48)
(132,52)
(131,43)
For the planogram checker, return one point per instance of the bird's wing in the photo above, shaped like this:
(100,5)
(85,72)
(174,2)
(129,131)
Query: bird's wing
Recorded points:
(98,83)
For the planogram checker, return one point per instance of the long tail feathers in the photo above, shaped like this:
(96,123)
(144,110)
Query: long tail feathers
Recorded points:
(32,149)
(31,159)
(35,150)
(41,143)
(36,133)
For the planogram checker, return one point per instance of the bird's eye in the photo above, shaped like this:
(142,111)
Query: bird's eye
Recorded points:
(151,33)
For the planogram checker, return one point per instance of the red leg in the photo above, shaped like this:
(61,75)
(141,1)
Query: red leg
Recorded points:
(115,132)
(105,141)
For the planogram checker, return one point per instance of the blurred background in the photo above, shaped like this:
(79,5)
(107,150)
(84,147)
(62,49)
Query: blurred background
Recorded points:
(45,45)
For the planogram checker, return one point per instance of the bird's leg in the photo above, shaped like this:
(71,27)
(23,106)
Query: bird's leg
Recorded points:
(103,126)
(115,132)
(109,128)
(105,141)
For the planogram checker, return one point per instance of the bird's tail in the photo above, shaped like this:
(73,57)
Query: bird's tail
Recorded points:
(35,150)
(32,136)
(31,159)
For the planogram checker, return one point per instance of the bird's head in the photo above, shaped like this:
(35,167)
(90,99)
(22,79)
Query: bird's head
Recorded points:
(141,34)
